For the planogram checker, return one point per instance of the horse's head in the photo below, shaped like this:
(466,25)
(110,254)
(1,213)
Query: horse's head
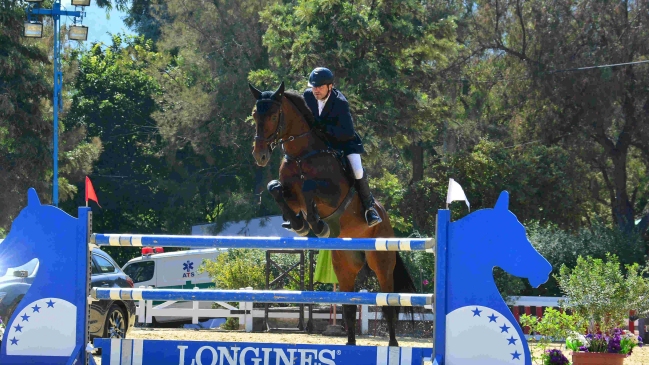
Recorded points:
(499,239)
(269,120)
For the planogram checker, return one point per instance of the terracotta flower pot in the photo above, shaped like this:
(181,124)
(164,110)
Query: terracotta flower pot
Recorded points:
(597,358)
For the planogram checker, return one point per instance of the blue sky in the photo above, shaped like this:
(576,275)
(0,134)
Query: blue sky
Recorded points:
(98,24)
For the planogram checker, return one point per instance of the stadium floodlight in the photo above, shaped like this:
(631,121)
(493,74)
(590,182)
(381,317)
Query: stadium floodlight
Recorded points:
(33,30)
(78,33)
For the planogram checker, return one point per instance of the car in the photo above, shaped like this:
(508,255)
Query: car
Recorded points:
(107,318)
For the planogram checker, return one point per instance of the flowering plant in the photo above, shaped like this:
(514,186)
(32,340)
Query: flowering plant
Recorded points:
(2,329)
(554,357)
(616,342)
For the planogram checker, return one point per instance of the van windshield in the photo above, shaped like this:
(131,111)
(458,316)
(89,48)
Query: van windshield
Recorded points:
(140,271)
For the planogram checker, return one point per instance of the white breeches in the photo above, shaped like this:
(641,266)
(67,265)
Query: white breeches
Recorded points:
(357,166)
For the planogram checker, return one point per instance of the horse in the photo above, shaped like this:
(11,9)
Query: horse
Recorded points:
(476,311)
(313,183)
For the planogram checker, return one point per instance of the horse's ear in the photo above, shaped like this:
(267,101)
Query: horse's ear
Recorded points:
(32,197)
(279,92)
(256,93)
(503,201)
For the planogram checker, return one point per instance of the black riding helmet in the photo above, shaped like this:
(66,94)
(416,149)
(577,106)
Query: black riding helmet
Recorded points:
(320,76)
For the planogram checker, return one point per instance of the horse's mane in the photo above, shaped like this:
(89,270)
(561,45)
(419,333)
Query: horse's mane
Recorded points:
(298,100)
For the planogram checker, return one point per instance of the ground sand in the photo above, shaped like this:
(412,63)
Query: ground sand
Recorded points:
(640,356)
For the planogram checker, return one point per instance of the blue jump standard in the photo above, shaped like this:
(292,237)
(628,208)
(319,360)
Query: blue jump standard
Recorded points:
(264,243)
(266,296)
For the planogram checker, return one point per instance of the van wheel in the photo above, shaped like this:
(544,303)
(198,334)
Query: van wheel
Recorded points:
(115,322)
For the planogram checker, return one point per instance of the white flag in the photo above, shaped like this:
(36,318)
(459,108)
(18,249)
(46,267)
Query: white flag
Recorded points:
(455,192)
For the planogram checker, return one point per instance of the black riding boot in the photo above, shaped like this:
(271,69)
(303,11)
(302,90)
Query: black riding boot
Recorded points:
(371,215)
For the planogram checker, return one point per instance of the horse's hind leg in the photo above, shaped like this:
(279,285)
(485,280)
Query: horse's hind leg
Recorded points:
(298,224)
(346,265)
(383,264)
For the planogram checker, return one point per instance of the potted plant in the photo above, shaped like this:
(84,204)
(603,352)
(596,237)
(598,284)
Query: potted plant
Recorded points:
(599,292)
(602,348)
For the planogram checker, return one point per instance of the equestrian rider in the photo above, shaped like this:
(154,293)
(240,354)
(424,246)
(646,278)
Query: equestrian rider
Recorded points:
(333,118)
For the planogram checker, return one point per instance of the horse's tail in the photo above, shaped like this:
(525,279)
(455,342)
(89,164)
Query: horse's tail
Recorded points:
(403,283)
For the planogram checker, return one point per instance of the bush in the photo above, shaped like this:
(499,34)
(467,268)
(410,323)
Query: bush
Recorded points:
(598,291)
(552,327)
(237,268)
(562,248)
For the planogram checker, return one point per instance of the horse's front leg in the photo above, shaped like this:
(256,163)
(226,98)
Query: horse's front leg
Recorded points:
(310,189)
(298,224)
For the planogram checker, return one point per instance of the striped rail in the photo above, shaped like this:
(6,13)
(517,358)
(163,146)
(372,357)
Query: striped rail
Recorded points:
(266,296)
(264,243)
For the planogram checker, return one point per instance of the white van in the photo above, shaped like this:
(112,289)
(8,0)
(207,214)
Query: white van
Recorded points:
(171,270)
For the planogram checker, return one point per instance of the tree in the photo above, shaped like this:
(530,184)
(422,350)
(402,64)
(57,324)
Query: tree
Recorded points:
(386,56)
(26,126)
(597,113)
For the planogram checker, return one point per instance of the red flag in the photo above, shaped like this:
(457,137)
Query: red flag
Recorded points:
(90,192)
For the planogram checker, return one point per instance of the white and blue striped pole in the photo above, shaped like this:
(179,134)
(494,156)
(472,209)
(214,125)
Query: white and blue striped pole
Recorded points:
(264,243)
(265,296)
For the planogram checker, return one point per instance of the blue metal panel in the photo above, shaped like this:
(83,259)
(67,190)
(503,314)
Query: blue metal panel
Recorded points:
(439,331)
(475,311)
(160,352)
(264,243)
(44,329)
(266,296)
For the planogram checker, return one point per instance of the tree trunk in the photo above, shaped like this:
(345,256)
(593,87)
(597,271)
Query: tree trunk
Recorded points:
(621,207)
(417,152)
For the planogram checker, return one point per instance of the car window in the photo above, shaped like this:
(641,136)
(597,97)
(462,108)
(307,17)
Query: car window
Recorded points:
(140,271)
(95,269)
(104,266)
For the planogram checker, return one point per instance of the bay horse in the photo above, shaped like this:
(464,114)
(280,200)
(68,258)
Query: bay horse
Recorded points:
(313,183)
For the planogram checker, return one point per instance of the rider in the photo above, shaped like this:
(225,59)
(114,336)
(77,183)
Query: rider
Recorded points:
(333,118)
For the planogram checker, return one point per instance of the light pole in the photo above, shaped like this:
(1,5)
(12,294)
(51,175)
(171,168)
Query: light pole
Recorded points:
(34,29)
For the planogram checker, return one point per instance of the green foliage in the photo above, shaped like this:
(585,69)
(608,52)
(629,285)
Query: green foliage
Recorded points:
(561,247)
(553,326)
(231,324)
(237,268)
(598,291)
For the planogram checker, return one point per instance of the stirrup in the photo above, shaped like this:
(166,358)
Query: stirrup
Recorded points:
(376,219)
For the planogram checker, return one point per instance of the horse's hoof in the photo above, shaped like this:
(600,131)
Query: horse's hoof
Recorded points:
(324,233)
(351,344)
(304,231)
(393,343)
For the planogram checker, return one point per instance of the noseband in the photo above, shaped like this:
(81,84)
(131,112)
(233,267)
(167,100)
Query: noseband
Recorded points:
(274,138)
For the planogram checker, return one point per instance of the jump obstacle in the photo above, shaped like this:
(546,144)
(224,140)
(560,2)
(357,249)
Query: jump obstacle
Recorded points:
(472,325)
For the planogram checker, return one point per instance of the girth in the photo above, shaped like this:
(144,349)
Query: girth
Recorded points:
(300,158)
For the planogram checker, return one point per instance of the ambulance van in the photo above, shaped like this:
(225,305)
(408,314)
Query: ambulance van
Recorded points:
(172,270)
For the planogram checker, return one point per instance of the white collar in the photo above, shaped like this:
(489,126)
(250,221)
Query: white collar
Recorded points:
(321,103)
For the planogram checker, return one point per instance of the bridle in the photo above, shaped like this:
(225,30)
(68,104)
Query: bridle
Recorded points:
(281,126)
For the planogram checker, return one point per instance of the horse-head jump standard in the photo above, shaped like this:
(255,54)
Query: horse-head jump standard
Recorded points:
(313,183)
(47,326)
(479,328)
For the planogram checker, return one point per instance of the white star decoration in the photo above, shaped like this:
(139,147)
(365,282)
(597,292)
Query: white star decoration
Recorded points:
(45,327)
(480,335)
